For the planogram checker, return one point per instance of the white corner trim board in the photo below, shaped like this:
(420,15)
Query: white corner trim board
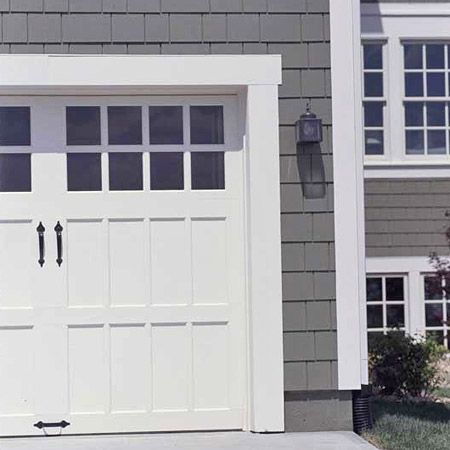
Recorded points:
(255,80)
(348,189)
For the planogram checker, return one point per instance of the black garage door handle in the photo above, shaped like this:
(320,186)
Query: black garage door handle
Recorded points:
(62,424)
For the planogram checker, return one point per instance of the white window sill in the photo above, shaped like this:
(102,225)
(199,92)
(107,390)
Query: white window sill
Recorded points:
(407,169)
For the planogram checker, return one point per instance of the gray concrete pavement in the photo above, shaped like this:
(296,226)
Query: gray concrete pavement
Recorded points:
(195,441)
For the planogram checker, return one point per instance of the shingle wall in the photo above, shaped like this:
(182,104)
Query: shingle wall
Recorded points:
(297,29)
(407,217)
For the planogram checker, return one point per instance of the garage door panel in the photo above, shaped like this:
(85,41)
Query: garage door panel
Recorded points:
(170,263)
(16,243)
(170,364)
(130,368)
(88,376)
(209,260)
(16,371)
(210,365)
(128,262)
(86,262)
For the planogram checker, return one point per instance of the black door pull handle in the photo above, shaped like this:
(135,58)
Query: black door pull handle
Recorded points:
(41,230)
(62,424)
(58,230)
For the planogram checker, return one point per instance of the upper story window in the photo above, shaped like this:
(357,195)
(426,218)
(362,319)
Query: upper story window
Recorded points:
(406,69)
(374,100)
(426,97)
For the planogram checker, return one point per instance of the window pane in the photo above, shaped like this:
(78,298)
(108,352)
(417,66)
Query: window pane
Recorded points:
(374,316)
(374,142)
(436,114)
(436,142)
(207,125)
(414,114)
(166,171)
(124,125)
(414,85)
(125,171)
(15,125)
(373,56)
(207,170)
(373,114)
(433,288)
(15,172)
(394,289)
(414,142)
(435,56)
(166,125)
(395,316)
(83,125)
(373,84)
(436,84)
(84,172)
(413,56)
(374,289)
(434,315)
(436,335)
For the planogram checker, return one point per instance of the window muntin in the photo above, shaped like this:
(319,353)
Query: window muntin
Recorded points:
(426,99)
(437,309)
(386,303)
(373,98)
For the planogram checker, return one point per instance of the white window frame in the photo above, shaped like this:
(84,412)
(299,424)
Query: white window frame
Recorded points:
(415,268)
(254,80)
(385,303)
(396,23)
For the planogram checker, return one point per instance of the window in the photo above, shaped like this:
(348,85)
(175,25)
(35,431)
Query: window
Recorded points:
(15,172)
(84,172)
(83,125)
(15,125)
(386,303)
(437,309)
(374,101)
(427,78)
(124,125)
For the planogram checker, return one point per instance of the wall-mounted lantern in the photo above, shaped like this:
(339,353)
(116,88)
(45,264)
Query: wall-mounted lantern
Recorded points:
(308,128)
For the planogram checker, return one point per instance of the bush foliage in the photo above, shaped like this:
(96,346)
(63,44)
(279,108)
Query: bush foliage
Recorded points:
(404,366)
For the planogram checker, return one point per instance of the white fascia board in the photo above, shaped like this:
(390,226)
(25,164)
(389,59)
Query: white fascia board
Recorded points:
(348,188)
(138,71)
(406,9)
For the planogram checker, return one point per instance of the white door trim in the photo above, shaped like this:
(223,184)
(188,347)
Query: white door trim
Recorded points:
(255,79)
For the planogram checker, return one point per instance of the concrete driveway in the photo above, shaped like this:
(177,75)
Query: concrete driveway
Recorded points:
(195,441)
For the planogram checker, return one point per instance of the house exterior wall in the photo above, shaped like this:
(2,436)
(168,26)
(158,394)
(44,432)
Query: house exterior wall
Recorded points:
(297,29)
(407,217)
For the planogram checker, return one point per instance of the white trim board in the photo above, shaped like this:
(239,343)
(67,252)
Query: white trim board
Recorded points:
(255,80)
(348,189)
(406,9)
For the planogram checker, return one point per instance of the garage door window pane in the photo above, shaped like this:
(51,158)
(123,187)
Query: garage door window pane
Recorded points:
(83,125)
(125,172)
(124,125)
(207,125)
(14,125)
(414,142)
(413,56)
(166,125)
(84,172)
(433,288)
(166,171)
(207,170)
(15,172)
(394,289)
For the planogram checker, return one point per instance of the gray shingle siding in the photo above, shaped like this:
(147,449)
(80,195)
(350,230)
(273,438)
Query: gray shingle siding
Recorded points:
(297,29)
(406,217)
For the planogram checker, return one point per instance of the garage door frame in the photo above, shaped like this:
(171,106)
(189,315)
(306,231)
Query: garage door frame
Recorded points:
(254,79)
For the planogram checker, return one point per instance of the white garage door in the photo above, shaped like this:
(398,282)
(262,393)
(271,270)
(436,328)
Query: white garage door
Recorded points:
(127,312)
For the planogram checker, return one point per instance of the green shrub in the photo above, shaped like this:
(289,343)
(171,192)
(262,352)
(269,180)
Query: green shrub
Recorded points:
(404,366)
